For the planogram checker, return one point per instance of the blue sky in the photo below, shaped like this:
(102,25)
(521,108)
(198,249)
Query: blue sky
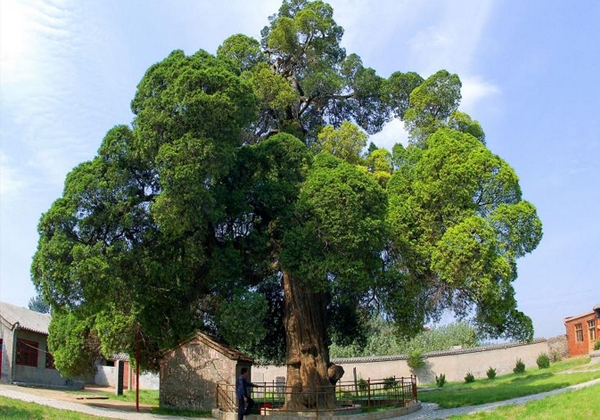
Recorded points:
(69,69)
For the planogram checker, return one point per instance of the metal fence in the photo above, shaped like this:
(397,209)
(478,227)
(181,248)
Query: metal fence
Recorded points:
(351,396)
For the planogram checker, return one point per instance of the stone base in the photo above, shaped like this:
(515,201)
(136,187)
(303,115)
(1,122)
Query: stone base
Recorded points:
(338,414)
(595,357)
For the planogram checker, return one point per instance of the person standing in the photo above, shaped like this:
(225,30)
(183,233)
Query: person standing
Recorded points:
(242,392)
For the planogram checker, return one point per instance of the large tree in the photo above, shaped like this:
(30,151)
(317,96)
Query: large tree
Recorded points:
(239,202)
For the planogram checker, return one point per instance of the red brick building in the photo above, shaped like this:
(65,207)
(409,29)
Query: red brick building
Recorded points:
(583,331)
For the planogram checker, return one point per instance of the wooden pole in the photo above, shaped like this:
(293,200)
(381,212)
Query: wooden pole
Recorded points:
(137,372)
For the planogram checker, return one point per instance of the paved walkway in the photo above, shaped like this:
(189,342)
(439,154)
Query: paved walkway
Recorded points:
(428,412)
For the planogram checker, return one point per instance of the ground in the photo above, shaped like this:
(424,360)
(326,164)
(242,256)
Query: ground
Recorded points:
(523,398)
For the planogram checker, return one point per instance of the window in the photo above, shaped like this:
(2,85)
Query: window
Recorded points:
(592,328)
(27,353)
(578,333)
(49,360)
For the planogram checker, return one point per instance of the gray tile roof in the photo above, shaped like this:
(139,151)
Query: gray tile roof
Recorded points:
(27,320)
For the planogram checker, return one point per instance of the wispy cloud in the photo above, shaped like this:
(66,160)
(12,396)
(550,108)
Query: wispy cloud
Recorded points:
(474,89)
(11,181)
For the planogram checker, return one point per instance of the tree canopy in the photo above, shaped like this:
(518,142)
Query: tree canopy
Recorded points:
(241,202)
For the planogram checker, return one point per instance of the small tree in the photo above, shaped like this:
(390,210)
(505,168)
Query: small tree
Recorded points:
(469,378)
(440,381)
(491,373)
(415,360)
(519,367)
(543,361)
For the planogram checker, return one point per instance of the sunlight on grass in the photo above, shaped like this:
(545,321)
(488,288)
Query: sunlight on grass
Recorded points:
(19,410)
(583,404)
(505,387)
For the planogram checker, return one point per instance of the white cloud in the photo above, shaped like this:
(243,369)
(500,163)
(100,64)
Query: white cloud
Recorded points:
(474,89)
(392,133)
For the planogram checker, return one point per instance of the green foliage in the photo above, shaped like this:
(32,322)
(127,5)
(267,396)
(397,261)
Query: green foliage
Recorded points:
(555,356)
(389,383)
(597,345)
(241,319)
(415,360)
(38,304)
(346,143)
(469,378)
(215,190)
(73,344)
(362,384)
(440,380)
(519,367)
(543,361)
(382,340)
(491,373)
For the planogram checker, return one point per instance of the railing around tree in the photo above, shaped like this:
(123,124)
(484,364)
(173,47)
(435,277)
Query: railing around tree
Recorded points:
(351,396)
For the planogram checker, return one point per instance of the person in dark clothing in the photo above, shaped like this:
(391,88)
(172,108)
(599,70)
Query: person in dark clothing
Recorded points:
(242,393)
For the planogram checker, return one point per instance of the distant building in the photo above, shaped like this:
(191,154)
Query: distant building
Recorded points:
(24,356)
(190,373)
(583,331)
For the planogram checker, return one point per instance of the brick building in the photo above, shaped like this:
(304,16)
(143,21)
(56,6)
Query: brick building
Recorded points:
(583,331)
(190,373)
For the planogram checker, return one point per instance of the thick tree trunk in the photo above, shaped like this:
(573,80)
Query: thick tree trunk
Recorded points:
(308,367)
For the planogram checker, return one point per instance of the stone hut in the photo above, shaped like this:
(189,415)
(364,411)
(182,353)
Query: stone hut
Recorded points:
(189,374)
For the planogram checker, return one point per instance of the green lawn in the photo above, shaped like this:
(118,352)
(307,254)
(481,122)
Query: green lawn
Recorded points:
(19,410)
(147,397)
(583,404)
(534,381)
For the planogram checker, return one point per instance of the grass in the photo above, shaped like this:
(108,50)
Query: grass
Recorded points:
(19,410)
(181,413)
(505,387)
(147,397)
(583,404)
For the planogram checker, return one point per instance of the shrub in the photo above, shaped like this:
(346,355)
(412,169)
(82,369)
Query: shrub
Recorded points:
(440,380)
(543,361)
(597,346)
(389,383)
(415,360)
(555,356)
(362,384)
(469,378)
(519,367)
(491,373)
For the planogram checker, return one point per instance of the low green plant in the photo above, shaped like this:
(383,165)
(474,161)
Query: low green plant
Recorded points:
(389,383)
(519,367)
(543,361)
(440,380)
(362,384)
(415,360)
(469,378)
(491,373)
(597,346)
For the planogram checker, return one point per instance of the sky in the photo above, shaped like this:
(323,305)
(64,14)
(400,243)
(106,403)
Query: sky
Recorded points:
(69,69)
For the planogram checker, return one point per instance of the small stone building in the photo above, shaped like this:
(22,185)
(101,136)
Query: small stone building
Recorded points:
(583,331)
(24,356)
(189,374)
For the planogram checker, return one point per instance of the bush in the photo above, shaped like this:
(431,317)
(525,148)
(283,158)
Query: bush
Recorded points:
(362,384)
(469,378)
(389,383)
(597,346)
(415,360)
(555,356)
(543,361)
(519,367)
(440,380)
(491,373)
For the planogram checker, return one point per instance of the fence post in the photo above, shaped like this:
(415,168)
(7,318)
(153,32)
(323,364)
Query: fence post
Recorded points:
(402,390)
(414,388)
(369,392)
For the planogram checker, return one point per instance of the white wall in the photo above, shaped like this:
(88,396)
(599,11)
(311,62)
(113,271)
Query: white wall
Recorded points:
(455,364)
